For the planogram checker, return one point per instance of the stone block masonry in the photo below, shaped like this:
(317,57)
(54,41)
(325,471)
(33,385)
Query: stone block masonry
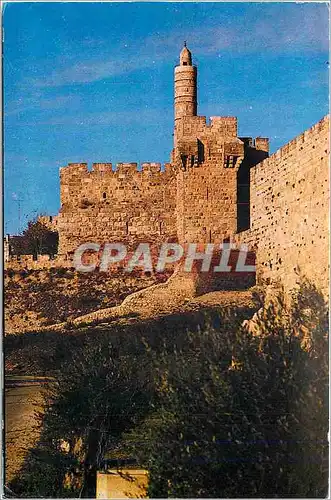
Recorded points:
(290,204)
(206,203)
(218,188)
(105,205)
(194,199)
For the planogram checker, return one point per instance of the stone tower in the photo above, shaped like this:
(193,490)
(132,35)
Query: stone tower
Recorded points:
(185,86)
(208,156)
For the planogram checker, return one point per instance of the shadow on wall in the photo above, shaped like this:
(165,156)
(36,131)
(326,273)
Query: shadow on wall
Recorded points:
(252,157)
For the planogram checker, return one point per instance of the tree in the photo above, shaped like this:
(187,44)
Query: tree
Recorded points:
(37,239)
(222,411)
(94,399)
(243,415)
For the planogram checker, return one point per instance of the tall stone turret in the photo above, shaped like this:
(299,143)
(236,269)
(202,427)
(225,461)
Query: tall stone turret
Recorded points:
(185,86)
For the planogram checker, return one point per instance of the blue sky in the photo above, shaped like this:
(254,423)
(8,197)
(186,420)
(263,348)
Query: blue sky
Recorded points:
(93,82)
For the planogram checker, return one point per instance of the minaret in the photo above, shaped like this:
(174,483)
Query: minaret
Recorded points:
(185,86)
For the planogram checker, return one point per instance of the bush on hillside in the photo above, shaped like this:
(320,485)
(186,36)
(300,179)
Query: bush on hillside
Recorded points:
(214,411)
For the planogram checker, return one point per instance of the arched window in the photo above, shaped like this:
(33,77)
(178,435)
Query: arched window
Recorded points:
(104,195)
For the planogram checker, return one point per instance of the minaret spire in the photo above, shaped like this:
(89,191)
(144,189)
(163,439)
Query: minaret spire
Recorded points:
(185,85)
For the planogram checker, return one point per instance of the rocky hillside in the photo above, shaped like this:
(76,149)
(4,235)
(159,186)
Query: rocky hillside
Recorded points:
(43,297)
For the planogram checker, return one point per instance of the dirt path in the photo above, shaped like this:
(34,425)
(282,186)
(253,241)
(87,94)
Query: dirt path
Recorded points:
(23,397)
(176,295)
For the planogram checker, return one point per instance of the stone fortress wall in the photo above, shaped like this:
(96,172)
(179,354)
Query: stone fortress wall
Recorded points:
(30,263)
(217,188)
(194,199)
(212,159)
(289,216)
(105,205)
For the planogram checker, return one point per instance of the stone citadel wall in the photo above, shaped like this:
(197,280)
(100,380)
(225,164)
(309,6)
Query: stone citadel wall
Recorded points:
(105,205)
(194,199)
(209,157)
(218,187)
(289,205)
(206,203)
(213,168)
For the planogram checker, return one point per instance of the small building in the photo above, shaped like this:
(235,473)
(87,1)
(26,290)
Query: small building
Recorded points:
(6,249)
(122,483)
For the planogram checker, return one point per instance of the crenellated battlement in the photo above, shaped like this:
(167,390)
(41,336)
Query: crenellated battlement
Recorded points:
(74,168)
(151,168)
(224,125)
(126,168)
(102,169)
(313,133)
(257,143)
